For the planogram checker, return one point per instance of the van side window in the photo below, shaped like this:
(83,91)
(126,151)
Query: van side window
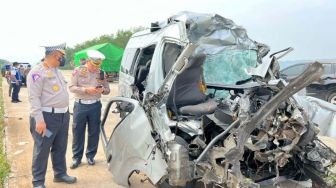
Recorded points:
(171,51)
(134,58)
(130,58)
(141,67)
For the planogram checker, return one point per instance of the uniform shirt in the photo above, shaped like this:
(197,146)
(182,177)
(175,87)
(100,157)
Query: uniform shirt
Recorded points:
(15,73)
(26,71)
(47,87)
(21,69)
(82,78)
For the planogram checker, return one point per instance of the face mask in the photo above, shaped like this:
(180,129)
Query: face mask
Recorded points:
(62,61)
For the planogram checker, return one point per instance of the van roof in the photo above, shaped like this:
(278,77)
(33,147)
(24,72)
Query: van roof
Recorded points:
(211,32)
(146,38)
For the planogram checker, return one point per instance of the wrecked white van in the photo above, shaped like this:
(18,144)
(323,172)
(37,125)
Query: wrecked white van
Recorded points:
(198,106)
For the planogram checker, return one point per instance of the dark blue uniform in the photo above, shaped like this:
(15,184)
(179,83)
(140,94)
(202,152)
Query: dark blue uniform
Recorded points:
(16,86)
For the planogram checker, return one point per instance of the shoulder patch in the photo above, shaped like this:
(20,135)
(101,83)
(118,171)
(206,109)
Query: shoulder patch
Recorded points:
(35,77)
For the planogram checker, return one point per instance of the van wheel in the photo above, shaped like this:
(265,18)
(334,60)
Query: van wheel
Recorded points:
(332,98)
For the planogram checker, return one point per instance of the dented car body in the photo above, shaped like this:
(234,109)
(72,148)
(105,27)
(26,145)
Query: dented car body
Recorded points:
(198,105)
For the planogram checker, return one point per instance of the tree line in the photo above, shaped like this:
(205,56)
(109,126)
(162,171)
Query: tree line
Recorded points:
(118,39)
(3,62)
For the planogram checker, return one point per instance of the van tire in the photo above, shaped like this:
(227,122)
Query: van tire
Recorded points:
(332,97)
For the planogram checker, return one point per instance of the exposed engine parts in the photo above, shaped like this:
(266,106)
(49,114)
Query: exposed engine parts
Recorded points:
(255,135)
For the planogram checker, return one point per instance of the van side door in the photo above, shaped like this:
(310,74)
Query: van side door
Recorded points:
(128,143)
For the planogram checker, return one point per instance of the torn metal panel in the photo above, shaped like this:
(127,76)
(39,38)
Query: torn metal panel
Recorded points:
(126,156)
(312,73)
(214,32)
(320,113)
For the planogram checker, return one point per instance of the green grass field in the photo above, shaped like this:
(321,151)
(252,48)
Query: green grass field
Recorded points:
(4,166)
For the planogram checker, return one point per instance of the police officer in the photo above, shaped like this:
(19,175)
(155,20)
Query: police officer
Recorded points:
(16,81)
(49,118)
(8,75)
(88,83)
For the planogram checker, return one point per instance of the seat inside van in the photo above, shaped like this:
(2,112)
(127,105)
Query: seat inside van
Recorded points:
(186,96)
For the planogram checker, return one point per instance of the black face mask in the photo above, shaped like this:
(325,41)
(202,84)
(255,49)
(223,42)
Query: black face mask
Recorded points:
(62,61)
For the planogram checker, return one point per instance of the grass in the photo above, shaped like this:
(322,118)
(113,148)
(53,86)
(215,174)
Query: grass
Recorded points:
(4,166)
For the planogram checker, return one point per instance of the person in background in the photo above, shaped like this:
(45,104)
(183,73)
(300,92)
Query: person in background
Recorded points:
(16,81)
(88,83)
(49,117)
(26,72)
(22,69)
(9,79)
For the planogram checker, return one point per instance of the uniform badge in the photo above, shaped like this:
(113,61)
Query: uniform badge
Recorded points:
(50,74)
(35,77)
(55,87)
(83,72)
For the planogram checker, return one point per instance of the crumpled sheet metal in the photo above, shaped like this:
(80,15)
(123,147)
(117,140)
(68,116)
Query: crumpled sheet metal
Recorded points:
(319,112)
(215,33)
(228,48)
(234,155)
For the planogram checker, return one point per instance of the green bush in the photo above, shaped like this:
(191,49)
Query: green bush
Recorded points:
(4,166)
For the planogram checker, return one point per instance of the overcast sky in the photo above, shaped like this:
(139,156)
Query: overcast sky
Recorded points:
(307,25)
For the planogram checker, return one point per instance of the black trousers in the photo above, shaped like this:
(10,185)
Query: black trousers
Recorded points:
(16,90)
(85,114)
(56,144)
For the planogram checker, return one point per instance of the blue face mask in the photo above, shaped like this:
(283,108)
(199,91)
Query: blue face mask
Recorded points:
(62,61)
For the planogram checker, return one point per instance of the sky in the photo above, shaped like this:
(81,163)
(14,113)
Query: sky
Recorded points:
(309,26)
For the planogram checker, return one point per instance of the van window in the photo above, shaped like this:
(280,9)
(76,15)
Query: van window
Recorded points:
(140,68)
(328,69)
(130,57)
(134,58)
(295,70)
(171,51)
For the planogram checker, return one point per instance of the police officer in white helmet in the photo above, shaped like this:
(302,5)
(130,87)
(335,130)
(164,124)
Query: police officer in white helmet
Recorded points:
(88,83)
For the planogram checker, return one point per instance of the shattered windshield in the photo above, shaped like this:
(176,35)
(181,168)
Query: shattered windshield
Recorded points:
(229,66)
(229,50)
